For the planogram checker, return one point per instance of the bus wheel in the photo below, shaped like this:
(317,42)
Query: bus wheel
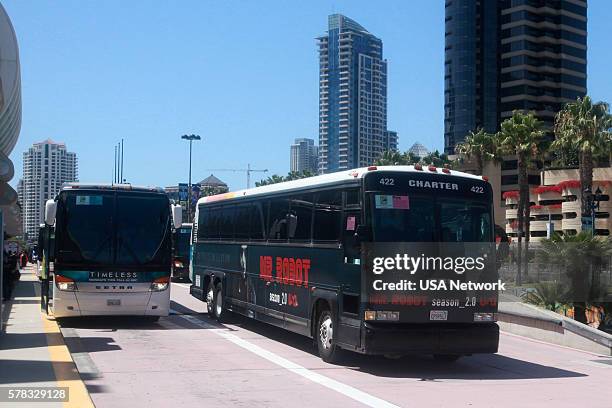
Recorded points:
(326,343)
(210,300)
(447,358)
(219,308)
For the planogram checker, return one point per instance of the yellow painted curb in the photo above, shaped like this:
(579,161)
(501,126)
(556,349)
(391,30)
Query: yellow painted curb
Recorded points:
(66,373)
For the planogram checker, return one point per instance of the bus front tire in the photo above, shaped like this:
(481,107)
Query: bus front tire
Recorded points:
(326,343)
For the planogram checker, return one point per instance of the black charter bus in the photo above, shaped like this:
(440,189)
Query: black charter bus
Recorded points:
(300,255)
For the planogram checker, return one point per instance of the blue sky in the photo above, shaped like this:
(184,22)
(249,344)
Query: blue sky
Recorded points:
(242,74)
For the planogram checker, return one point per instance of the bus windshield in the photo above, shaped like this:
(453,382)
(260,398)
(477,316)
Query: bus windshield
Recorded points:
(112,228)
(429,219)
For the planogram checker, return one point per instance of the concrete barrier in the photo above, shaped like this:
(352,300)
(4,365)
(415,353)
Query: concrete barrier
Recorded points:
(533,322)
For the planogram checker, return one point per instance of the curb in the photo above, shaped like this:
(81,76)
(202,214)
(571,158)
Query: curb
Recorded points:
(66,373)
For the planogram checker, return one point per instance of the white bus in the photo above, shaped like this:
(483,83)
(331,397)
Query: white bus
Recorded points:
(112,250)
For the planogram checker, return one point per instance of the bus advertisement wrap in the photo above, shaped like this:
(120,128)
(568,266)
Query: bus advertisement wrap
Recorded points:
(414,280)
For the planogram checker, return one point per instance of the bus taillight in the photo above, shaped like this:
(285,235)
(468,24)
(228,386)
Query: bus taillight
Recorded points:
(160,284)
(65,283)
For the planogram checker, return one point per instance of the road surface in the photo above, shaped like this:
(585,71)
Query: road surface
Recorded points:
(189,360)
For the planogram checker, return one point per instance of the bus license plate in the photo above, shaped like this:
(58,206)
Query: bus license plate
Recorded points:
(113,302)
(438,315)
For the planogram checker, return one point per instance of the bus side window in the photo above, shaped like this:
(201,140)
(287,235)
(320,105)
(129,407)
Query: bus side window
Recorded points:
(202,219)
(301,217)
(327,219)
(212,230)
(242,227)
(255,222)
(277,219)
(226,222)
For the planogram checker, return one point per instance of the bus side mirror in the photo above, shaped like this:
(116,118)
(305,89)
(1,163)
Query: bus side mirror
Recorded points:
(177,216)
(364,233)
(50,211)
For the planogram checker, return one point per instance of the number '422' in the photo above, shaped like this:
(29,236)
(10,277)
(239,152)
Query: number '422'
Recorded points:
(477,189)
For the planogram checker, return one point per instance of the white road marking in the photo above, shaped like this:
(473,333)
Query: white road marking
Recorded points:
(327,382)
(185,285)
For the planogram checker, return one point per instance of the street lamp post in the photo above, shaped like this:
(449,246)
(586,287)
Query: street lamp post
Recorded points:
(593,199)
(191,138)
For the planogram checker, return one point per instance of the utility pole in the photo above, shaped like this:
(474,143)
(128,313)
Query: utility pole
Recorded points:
(121,178)
(191,138)
(115,167)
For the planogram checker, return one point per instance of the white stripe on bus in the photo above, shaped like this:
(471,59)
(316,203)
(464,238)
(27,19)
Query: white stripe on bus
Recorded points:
(346,390)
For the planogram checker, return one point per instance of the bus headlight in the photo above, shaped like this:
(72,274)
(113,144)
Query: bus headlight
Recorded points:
(485,317)
(178,264)
(64,283)
(382,315)
(160,284)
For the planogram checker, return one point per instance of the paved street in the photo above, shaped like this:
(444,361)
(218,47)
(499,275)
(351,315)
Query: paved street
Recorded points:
(189,360)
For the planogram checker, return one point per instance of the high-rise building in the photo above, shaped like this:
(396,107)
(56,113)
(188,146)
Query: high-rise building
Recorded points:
(390,140)
(510,54)
(46,166)
(352,96)
(543,56)
(304,156)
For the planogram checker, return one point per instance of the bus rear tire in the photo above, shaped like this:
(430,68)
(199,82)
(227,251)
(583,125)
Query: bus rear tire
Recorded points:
(326,343)
(210,300)
(220,312)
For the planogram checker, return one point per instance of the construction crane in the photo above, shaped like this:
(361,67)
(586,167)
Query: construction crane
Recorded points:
(248,172)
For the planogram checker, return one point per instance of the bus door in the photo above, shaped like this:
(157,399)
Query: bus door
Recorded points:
(44,245)
(238,284)
(349,301)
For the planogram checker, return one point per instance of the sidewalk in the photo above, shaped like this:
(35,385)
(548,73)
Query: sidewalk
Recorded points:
(32,349)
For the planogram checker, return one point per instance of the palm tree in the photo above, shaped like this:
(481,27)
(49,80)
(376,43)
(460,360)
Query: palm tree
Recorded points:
(577,254)
(436,158)
(587,128)
(273,179)
(481,147)
(391,158)
(521,135)
(395,158)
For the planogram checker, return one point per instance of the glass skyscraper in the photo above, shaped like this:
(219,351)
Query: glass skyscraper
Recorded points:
(352,97)
(304,156)
(510,54)
(470,69)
